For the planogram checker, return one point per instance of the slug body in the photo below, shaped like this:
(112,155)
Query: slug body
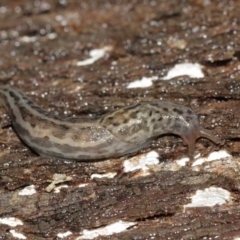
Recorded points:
(115,134)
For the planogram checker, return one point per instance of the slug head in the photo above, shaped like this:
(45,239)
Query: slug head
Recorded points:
(191,138)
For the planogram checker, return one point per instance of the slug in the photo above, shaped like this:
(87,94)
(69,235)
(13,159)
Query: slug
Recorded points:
(113,135)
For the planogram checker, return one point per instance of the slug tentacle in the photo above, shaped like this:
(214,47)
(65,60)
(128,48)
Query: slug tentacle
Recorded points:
(206,134)
(191,139)
(115,134)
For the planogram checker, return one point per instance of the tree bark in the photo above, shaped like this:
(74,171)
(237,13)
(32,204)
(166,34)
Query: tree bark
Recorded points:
(41,43)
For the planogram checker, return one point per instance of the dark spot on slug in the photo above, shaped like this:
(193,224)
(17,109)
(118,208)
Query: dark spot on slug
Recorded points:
(190,112)
(154,104)
(160,118)
(132,106)
(125,120)
(64,127)
(29,102)
(134,114)
(153,120)
(14,96)
(25,98)
(24,112)
(180,112)
(116,124)
(189,119)
(150,113)
(165,109)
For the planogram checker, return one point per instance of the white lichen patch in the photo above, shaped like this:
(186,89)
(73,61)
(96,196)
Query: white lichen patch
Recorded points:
(57,178)
(31,39)
(28,39)
(141,162)
(29,190)
(11,221)
(94,54)
(214,156)
(17,234)
(193,70)
(209,197)
(105,175)
(51,35)
(116,227)
(177,43)
(182,162)
(143,82)
(58,189)
(64,235)
(81,185)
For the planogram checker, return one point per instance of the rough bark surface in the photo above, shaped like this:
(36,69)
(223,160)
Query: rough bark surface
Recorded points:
(40,45)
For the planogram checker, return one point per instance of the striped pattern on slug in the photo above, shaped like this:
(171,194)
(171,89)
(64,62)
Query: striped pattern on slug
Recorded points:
(115,134)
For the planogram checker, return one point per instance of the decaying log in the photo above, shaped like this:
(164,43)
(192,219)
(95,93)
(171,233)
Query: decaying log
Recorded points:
(44,46)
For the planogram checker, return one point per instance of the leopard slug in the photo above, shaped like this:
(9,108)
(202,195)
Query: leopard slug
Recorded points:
(112,135)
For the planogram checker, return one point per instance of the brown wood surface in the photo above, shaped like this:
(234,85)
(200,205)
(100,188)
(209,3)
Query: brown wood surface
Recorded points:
(147,39)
